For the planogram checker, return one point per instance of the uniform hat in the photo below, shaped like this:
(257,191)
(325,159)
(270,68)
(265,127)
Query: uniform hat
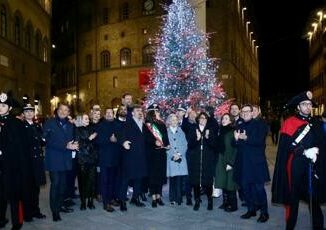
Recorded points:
(28,107)
(5,99)
(182,108)
(303,96)
(153,107)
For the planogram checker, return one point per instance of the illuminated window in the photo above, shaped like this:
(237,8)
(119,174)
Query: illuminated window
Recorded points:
(148,55)
(125,57)
(3,18)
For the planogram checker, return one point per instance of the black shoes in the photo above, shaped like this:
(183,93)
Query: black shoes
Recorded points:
(90,204)
(154,204)
(83,206)
(197,205)
(137,202)
(229,208)
(56,217)
(66,209)
(160,202)
(39,216)
(189,202)
(68,203)
(248,214)
(115,203)
(17,226)
(263,218)
(109,208)
(123,206)
(3,223)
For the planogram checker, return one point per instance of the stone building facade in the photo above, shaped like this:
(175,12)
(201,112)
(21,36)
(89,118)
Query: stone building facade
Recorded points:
(113,50)
(25,51)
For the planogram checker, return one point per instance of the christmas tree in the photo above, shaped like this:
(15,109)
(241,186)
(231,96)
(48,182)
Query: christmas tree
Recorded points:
(183,73)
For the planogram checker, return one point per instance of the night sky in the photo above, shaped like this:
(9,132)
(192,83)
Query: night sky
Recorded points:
(283,55)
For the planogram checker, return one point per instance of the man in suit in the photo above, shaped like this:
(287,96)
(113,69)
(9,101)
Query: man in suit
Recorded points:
(58,134)
(134,165)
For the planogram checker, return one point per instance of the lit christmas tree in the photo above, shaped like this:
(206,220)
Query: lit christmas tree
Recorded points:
(183,73)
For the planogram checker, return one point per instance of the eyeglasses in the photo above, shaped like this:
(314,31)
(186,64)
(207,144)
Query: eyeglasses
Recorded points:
(246,111)
(306,104)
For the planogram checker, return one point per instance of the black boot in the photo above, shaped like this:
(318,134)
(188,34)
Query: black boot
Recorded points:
(232,202)
(154,203)
(160,202)
(197,205)
(143,197)
(248,214)
(83,205)
(123,206)
(189,201)
(3,223)
(136,201)
(210,203)
(56,217)
(90,204)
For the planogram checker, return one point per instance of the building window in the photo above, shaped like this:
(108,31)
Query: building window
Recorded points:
(124,11)
(88,63)
(28,38)
(105,59)
(38,44)
(105,16)
(125,57)
(45,50)
(148,55)
(3,22)
(115,82)
(17,30)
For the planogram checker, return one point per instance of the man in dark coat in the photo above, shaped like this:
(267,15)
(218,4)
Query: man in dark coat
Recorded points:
(16,164)
(34,136)
(58,134)
(134,165)
(250,167)
(108,150)
(300,159)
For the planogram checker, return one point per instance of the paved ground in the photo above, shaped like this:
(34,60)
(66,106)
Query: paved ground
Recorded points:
(167,217)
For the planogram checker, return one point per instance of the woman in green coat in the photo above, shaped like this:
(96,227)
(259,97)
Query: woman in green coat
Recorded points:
(224,169)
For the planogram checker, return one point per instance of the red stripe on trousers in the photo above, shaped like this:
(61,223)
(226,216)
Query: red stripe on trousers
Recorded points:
(289,174)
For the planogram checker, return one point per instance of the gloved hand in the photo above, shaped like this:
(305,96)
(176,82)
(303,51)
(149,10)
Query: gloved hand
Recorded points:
(311,153)
(228,167)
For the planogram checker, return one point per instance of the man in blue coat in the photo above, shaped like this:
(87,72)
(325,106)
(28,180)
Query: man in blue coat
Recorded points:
(58,134)
(250,168)
(134,157)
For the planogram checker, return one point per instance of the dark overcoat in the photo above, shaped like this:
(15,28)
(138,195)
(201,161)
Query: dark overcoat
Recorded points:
(251,165)
(86,154)
(17,162)
(34,136)
(156,156)
(202,161)
(134,165)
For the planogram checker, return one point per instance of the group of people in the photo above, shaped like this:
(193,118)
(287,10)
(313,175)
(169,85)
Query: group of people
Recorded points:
(191,150)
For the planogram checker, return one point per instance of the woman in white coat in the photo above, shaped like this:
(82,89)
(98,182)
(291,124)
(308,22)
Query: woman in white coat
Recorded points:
(176,159)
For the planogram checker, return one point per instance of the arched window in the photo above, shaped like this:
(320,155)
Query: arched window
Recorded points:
(125,57)
(28,37)
(3,23)
(38,44)
(148,55)
(17,30)
(105,59)
(124,11)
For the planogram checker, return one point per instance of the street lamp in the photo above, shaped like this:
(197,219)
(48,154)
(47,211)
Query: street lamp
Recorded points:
(253,43)
(314,25)
(320,14)
(257,50)
(242,13)
(250,34)
(247,27)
